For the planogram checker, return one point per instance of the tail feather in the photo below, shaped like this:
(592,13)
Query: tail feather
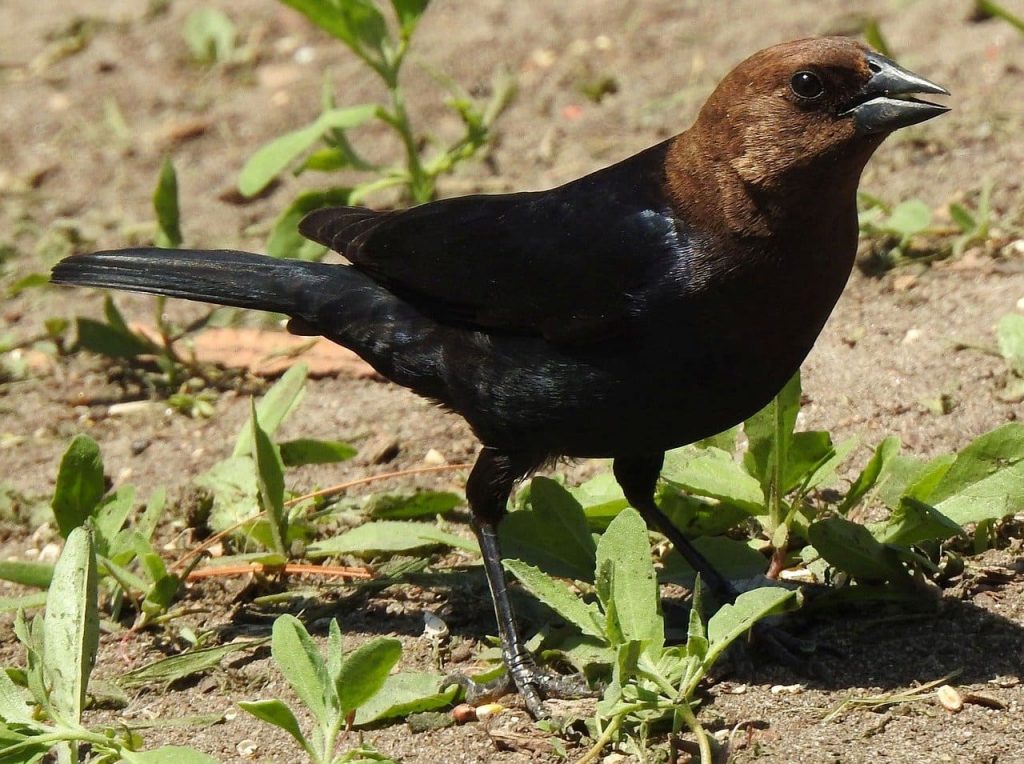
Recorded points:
(223,277)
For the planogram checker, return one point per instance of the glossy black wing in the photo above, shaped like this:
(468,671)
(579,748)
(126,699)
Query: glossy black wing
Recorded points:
(573,264)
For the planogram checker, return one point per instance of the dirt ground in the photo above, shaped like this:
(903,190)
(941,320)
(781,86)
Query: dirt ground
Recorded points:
(883,362)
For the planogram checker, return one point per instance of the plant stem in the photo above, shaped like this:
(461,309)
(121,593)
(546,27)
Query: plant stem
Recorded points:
(695,727)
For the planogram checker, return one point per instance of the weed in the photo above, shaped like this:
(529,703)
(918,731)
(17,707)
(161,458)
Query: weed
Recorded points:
(364,30)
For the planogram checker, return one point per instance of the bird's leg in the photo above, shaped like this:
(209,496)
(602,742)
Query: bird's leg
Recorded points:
(487,491)
(638,478)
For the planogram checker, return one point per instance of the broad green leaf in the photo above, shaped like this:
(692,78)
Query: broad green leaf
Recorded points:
(992,498)
(714,473)
(877,464)
(364,671)
(1011,341)
(408,12)
(913,522)
(387,536)
(277,713)
(172,754)
(601,498)
(769,434)
(984,457)
(634,589)
(295,453)
(270,482)
(557,596)
(111,515)
(272,409)
(734,620)
(404,694)
(907,476)
(419,504)
(285,239)
(102,339)
(14,709)
(165,204)
(552,534)
(71,626)
(303,667)
(27,572)
(272,158)
(808,451)
(30,281)
(232,483)
(850,547)
(357,23)
(736,560)
(696,517)
(80,484)
(910,218)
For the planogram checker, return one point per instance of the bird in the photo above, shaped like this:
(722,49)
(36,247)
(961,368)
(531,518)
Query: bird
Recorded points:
(637,309)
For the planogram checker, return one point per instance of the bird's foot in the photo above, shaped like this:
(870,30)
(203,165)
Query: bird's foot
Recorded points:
(532,682)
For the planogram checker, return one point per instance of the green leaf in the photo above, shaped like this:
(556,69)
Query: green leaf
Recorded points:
(876,466)
(387,536)
(27,602)
(910,218)
(272,158)
(714,473)
(295,453)
(734,620)
(27,572)
(808,451)
(270,483)
(913,522)
(111,515)
(409,13)
(551,534)
(736,560)
(999,495)
(279,401)
(557,596)
(769,434)
(71,626)
(357,23)
(601,498)
(997,10)
(404,694)
(186,664)
(31,281)
(304,669)
(210,36)
(285,239)
(964,220)
(108,340)
(1010,333)
(850,547)
(419,504)
(985,456)
(634,588)
(364,671)
(907,476)
(277,713)
(165,204)
(14,709)
(80,484)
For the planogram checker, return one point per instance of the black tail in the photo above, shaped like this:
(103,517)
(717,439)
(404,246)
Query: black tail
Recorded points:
(223,277)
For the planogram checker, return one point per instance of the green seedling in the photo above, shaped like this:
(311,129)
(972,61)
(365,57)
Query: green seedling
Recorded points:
(130,569)
(332,690)
(622,636)
(61,648)
(324,144)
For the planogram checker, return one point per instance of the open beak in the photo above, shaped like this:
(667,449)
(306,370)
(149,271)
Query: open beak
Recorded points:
(886,102)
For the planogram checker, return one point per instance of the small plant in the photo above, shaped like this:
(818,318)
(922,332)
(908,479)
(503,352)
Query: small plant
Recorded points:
(332,690)
(210,36)
(61,649)
(906,232)
(363,29)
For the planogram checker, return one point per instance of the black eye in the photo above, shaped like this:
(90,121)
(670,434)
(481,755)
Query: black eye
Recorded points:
(807,85)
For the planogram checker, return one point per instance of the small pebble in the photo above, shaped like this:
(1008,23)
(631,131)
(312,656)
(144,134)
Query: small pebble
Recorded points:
(949,698)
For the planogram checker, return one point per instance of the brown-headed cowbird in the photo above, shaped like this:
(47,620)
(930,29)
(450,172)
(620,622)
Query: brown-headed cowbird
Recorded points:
(642,307)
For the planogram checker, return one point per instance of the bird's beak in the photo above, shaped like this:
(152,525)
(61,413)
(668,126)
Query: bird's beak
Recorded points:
(885,103)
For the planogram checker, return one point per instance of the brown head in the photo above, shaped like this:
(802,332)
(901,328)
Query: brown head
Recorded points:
(798,118)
